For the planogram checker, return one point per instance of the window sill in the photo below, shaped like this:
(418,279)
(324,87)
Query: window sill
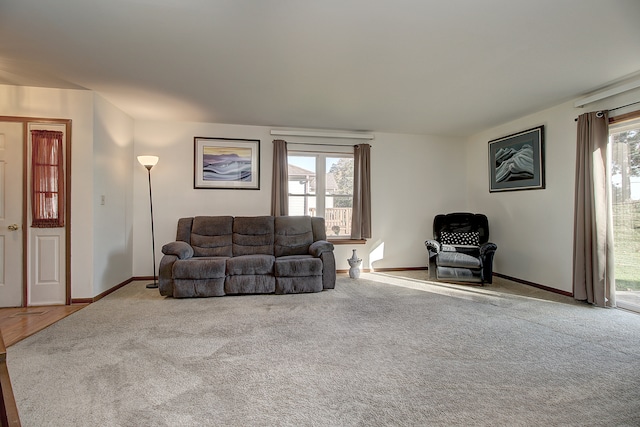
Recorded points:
(347,241)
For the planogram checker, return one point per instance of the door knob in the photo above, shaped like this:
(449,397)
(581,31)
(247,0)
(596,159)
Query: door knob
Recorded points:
(13,227)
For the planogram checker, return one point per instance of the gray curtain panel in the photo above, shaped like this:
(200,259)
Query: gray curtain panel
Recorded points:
(593,275)
(280,184)
(361,216)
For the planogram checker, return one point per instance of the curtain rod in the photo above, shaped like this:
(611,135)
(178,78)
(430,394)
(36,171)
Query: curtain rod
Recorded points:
(321,143)
(623,106)
(614,109)
(322,134)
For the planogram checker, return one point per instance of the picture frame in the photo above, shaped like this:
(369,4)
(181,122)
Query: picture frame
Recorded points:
(226,163)
(516,162)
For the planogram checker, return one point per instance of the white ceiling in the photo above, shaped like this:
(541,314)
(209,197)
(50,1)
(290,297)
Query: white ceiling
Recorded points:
(411,66)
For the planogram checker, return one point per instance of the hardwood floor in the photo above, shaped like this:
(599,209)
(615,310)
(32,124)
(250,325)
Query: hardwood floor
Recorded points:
(19,323)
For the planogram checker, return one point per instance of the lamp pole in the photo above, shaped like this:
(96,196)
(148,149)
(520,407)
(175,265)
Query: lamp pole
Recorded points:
(148,162)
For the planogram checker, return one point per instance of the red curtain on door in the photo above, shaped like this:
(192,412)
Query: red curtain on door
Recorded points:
(47,179)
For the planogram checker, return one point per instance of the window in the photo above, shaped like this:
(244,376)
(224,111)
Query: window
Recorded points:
(321,184)
(47,179)
(624,143)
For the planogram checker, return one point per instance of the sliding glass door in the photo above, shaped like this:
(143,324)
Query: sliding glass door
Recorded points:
(625,180)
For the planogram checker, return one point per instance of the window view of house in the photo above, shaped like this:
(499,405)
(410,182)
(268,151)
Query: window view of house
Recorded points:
(625,181)
(321,184)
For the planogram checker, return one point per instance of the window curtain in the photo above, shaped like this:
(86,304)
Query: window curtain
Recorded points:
(593,275)
(280,184)
(361,215)
(47,179)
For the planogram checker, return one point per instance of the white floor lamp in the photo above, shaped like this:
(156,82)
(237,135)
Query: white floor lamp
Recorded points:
(149,162)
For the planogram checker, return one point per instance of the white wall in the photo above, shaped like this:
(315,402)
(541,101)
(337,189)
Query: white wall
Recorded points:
(413,178)
(76,105)
(410,184)
(172,183)
(534,229)
(113,178)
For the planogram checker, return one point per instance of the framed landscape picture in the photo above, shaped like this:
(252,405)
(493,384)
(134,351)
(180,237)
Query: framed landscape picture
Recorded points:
(225,163)
(516,162)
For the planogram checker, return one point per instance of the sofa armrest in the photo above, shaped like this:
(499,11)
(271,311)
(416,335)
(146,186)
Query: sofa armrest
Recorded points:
(433,249)
(165,277)
(328,270)
(180,249)
(487,251)
(487,248)
(318,247)
(433,246)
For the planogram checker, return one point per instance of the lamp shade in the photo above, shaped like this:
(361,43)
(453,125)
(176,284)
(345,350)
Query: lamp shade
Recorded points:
(148,161)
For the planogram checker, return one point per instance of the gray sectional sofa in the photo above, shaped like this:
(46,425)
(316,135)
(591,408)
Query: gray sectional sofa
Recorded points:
(222,255)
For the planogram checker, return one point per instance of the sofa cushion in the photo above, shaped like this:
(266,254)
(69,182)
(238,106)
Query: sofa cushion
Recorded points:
(471,238)
(295,285)
(459,274)
(211,236)
(250,284)
(318,227)
(293,235)
(183,233)
(191,288)
(250,264)
(253,235)
(200,268)
(461,222)
(457,259)
(473,251)
(298,266)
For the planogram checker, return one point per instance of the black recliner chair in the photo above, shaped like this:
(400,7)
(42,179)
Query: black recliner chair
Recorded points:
(460,250)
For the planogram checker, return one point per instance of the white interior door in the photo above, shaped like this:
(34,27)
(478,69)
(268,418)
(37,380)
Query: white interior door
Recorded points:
(46,264)
(11,156)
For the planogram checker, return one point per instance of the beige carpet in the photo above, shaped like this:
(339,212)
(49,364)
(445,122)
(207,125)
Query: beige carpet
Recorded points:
(376,351)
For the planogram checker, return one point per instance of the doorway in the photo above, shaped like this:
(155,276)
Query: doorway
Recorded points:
(624,143)
(35,261)
(11,198)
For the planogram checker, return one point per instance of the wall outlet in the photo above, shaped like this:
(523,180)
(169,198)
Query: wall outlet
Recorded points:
(102,198)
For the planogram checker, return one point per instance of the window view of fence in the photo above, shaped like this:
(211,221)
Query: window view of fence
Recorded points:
(312,175)
(625,181)
(336,220)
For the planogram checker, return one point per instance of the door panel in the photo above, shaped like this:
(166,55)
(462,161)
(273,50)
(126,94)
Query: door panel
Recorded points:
(46,264)
(47,284)
(11,191)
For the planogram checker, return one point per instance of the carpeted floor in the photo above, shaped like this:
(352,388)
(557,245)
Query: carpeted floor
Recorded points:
(376,351)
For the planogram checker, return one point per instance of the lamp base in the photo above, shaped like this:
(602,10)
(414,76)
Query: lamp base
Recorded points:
(152,286)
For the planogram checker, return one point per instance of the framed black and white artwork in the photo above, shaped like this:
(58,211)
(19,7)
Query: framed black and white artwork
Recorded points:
(516,162)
